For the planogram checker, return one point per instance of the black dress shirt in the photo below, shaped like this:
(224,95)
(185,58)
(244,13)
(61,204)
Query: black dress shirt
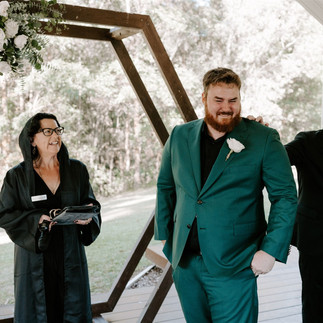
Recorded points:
(210,149)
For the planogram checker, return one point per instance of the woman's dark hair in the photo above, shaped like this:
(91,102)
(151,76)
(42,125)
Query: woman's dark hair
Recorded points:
(35,126)
(35,123)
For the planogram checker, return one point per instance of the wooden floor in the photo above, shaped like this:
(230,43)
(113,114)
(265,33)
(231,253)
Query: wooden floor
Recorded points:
(279,299)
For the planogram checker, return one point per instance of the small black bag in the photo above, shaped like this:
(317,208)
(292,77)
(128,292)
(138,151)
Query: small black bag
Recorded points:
(70,214)
(45,236)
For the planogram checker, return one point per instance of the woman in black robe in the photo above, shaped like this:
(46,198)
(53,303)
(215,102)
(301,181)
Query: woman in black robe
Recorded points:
(51,282)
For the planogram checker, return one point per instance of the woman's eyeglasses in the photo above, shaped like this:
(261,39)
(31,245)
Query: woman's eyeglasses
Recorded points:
(49,131)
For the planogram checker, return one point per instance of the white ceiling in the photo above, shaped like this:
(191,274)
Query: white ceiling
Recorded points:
(314,7)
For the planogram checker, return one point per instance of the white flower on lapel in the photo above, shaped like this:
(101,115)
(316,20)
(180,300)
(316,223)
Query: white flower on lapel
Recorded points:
(235,146)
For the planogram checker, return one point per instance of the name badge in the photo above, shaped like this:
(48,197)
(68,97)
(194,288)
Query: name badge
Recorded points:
(37,198)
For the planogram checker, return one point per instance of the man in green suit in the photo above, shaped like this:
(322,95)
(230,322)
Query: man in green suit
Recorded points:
(209,206)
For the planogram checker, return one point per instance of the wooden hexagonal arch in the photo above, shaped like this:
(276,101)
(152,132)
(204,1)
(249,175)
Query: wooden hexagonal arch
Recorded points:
(89,23)
(112,26)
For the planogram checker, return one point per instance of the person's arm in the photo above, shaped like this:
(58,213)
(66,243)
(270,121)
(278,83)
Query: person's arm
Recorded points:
(166,196)
(280,185)
(258,119)
(20,223)
(296,150)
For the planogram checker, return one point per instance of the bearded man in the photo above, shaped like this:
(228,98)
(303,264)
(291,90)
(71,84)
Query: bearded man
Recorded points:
(210,210)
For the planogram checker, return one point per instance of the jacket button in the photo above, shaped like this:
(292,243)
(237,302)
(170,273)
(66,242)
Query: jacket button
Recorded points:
(188,226)
(199,202)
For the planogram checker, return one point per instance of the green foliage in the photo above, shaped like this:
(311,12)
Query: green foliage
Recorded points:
(107,256)
(6,277)
(304,99)
(19,33)
(275,46)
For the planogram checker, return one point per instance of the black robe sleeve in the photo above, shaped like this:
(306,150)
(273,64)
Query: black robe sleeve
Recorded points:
(17,215)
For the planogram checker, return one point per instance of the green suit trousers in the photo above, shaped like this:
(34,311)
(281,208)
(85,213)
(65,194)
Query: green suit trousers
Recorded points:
(206,298)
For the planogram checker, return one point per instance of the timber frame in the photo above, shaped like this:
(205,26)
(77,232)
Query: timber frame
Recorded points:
(112,26)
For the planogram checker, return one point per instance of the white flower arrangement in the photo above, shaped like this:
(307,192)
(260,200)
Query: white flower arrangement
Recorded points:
(235,147)
(20,28)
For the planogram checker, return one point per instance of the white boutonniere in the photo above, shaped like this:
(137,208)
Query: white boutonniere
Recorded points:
(235,146)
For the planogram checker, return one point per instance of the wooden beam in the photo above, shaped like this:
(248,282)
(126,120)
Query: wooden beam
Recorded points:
(168,72)
(84,32)
(104,17)
(155,254)
(94,33)
(7,320)
(131,22)
(127,271)
(314,7)
(96,16)
(140,90)
(122,32)
(157,297)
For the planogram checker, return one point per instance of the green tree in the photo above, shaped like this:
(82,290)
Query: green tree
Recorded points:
(274,47)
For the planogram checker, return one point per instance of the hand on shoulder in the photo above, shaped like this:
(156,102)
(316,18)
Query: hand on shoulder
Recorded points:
(258,119)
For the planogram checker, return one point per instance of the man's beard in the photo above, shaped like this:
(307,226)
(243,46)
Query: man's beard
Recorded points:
(224,125)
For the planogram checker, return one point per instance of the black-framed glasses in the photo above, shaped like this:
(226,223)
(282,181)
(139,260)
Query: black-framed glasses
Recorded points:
(49,131)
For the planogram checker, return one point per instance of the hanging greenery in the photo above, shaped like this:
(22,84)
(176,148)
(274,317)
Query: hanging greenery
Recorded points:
(21,24)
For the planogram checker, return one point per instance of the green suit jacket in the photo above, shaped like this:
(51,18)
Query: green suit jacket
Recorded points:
(229,207)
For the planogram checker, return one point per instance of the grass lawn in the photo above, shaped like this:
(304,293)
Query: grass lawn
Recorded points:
(6,276)
(108,254)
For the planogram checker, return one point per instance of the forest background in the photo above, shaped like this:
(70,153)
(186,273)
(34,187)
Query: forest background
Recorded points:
(275,46)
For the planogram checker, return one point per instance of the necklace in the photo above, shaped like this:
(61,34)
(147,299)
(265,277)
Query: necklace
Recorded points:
(52,188)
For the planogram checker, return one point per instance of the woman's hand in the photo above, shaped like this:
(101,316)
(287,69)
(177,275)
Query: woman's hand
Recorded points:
(83,222)
(259,119)
(45,217)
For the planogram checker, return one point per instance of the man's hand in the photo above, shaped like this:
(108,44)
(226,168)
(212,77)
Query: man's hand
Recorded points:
(163,242)
(258,119)
(262,263)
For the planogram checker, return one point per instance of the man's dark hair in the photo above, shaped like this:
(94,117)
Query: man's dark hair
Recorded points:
(220,75)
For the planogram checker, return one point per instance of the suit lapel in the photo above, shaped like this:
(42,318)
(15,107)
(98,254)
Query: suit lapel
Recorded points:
(194,146)
(239,133)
